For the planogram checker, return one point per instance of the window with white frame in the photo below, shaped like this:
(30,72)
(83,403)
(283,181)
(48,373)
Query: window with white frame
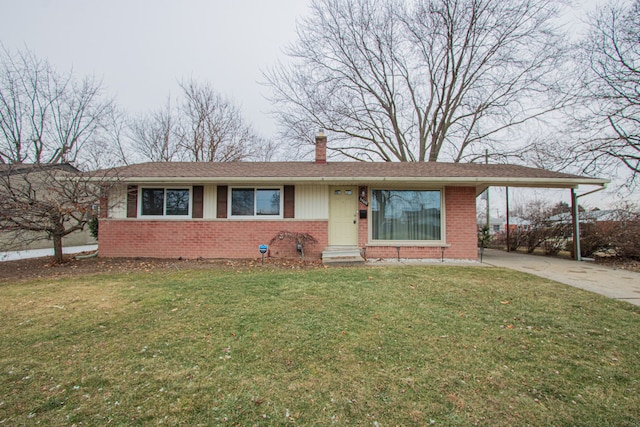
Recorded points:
(406,215)
(170,202)
(256,202)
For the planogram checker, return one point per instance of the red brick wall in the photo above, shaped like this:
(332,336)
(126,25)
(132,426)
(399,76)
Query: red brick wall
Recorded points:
(206,239)
(411,252)
(240,239)
(462,228)
(461,233)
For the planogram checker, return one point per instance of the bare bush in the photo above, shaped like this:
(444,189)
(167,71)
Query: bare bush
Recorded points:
(595,238)
(556,236)
(301,240)
(624,233)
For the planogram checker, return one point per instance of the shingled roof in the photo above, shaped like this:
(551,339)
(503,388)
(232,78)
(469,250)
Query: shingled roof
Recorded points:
(478,175)
(25,168)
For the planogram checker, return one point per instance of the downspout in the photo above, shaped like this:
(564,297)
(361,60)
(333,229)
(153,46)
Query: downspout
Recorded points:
(576,219)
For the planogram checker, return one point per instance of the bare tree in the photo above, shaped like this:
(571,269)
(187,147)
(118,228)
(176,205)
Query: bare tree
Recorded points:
(156,135)
(39,201)
(419,81)
(45,116)
(48,120)
(610,123)
(201,126)
(213,127)
(265,150)
(112,146)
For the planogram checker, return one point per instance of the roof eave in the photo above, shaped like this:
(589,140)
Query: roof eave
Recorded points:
(478,182)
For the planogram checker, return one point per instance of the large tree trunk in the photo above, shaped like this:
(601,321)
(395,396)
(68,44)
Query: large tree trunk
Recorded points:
(57,249)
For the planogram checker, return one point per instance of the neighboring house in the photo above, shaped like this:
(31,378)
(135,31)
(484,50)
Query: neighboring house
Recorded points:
(499,225)
(496,225)
(516,224)
(18,177)
(379,210)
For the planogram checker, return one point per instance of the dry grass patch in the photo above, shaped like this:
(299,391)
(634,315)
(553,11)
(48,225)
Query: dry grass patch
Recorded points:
(393,346)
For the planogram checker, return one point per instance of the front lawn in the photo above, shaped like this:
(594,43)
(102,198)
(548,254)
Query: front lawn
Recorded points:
(365,346)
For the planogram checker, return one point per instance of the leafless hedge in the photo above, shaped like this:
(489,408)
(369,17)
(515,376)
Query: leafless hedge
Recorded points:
(613,233)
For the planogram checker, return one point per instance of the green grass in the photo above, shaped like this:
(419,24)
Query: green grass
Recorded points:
(365,346)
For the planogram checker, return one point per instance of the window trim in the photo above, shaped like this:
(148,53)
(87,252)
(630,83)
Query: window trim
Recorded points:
(443,220)
(255,189)
(164,215)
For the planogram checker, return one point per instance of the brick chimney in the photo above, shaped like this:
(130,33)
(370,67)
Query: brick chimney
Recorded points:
(321,148)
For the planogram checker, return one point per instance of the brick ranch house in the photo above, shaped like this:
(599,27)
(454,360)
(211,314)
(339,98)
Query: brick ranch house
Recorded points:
(377,210)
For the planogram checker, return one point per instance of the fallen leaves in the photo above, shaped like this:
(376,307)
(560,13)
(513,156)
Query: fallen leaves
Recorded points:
(227,353)
(43,267)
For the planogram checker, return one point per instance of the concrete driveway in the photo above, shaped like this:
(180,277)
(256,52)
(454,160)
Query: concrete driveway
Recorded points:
(613,283)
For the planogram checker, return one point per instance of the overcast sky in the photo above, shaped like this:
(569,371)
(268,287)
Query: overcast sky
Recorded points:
(142,48)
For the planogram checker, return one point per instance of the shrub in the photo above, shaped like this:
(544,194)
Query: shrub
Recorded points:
(594,238)
(625,236)
(484,237)
(299,239)
(93,227)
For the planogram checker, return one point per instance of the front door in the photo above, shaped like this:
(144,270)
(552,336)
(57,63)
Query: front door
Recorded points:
(343,216)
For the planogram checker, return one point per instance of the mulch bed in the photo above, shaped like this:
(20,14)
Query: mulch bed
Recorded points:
(35,268)
(11,271)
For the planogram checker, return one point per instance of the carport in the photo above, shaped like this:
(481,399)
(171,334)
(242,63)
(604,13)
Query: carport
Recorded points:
(572,184)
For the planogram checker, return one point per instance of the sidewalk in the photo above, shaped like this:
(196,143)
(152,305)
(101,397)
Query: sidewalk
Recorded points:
(613,283)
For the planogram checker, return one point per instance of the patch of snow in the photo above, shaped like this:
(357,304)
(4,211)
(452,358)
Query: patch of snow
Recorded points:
(39,253)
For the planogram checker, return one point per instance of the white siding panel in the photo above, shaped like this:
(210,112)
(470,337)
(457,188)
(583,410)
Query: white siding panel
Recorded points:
(210,201)
(312,202)
(118,202)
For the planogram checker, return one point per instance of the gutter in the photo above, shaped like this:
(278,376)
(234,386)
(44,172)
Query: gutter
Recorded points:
(488,181)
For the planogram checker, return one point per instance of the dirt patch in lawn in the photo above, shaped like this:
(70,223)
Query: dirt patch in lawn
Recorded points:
(35,268)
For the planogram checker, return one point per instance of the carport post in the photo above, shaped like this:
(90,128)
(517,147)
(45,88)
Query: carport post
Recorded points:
(575,213)
(575,218)
(508,225)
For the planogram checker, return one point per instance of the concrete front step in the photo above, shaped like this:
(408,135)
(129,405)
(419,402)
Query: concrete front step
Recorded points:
(342,255)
